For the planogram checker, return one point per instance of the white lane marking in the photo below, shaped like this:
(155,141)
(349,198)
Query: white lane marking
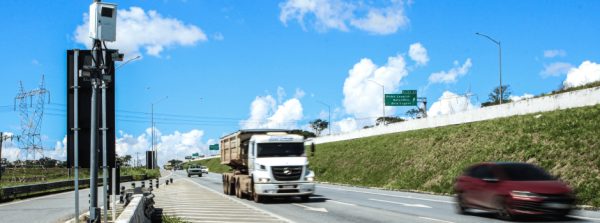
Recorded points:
(339,202)
(403,204)
(311,208)
(585,218)
(390,195)
(433,219)
(237,201)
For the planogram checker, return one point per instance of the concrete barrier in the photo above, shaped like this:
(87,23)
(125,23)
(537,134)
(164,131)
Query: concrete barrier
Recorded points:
(573,99)
(135,212)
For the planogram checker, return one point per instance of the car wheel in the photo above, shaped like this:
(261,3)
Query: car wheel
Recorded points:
(305,198)
(189,175)
(199,175)
(502,210)
(461,208)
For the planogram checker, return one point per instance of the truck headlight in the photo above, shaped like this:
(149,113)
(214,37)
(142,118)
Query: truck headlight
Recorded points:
(310,179)
(263,180)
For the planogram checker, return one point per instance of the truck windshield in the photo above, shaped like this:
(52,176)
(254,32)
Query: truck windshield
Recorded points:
(279,149)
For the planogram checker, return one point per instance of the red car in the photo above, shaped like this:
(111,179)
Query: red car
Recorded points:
(512,189)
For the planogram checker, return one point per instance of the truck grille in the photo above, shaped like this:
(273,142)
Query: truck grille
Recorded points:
(287,173)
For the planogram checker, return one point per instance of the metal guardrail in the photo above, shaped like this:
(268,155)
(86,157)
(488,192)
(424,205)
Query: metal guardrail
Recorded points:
(8,193)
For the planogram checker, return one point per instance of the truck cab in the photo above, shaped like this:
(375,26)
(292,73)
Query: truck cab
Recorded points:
(278,166)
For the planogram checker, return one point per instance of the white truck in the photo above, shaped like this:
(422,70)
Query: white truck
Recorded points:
(266,163)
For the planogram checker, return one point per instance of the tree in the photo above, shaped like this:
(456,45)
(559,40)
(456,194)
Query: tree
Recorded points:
(494,96)
(124,160)
(413,113)
(175,162)
(318,125)
(304,133)
(388,120)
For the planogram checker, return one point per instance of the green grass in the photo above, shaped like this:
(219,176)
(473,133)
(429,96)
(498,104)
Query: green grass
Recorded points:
(563,90)
(172,219)
(565,142)
(26,176)
(214,165)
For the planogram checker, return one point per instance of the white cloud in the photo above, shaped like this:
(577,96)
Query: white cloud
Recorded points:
(138,29)
(265,112)
(556,69)
(346,125)
(176,145)
(587,72)
(522,97)
(451,75)
(336,14)
(418,53)
(299,93)
(554,53)
(329,14)
(383,21)
(362,97)
(450,103)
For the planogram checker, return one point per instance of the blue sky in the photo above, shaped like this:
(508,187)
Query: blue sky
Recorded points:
(223,62)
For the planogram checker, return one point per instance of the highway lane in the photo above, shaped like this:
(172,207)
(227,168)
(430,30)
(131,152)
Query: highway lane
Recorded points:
(51,208)
(350,204)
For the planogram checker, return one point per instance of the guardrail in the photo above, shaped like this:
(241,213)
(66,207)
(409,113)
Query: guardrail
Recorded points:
(8,193)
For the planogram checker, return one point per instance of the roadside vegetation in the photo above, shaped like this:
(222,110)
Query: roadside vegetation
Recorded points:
(28,175)
(565,142)
(172,219)
(214,165)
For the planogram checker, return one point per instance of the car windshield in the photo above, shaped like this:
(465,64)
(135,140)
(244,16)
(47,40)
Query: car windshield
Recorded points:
(525,172)
(279,149)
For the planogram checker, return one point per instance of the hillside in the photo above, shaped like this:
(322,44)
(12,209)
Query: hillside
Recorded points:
(565,142)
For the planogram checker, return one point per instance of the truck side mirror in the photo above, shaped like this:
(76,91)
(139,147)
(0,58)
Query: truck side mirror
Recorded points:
(312,149)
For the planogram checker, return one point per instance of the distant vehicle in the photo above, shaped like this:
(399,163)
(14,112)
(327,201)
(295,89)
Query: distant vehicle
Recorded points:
(204,169)
(512,189)
(266,163)
(194,170)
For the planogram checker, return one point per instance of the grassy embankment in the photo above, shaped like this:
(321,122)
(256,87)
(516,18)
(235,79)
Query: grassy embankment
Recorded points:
(25,176)
(566,143)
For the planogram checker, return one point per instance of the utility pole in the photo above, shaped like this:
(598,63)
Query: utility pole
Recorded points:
(382,97)
(499,60)
(155,156)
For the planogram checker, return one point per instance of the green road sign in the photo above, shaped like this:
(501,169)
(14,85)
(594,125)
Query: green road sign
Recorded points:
(213,147)
(409,91)
(195,154)
(401,99)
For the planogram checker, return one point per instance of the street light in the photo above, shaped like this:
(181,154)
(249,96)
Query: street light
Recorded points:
(329,109)
(132,59)
(499,60)
(382,97)
(152,124)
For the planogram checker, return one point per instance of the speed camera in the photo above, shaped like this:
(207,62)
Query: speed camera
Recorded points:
(103,21)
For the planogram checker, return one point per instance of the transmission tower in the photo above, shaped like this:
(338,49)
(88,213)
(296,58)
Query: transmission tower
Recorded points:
(31,115)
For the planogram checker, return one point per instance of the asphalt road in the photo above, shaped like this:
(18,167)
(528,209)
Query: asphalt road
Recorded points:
(51,208)
(350,204)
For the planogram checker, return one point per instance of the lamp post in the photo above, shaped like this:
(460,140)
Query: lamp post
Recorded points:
(499,60)
(382,98)
(329,110)
(152,125)
(126,62)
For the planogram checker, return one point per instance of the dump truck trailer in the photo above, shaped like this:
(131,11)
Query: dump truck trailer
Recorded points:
(266,163)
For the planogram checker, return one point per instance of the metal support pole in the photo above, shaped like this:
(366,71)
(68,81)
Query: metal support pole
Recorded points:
(152,132)
(114,195)
(383,103)
(93,158)
(500,69)
(104,156)
(76,130)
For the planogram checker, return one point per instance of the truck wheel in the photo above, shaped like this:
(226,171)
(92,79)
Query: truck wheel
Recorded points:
(238,190)
(257,198)
(225,187)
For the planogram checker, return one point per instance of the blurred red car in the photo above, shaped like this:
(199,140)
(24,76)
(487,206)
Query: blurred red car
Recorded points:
(512,189)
